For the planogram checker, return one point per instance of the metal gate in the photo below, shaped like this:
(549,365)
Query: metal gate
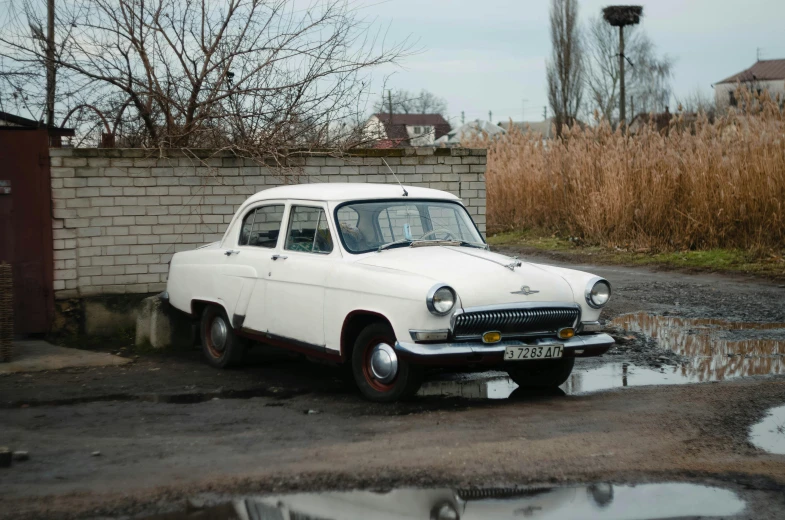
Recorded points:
(26,225)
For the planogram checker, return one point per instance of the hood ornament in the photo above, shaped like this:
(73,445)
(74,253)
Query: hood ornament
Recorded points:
(515,263)
(525,290)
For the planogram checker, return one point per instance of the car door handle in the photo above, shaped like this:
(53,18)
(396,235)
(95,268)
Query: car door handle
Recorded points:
(231,251)
(276,257)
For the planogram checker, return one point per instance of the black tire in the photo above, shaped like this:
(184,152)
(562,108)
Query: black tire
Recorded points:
(545,373)
(408,378)
(231,352)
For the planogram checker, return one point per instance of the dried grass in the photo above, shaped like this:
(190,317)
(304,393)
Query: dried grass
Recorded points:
(695,186)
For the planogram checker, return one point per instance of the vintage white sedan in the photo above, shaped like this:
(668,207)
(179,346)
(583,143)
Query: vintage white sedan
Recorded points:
(384,279)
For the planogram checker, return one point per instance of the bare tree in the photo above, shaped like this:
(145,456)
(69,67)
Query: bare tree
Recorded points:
(648,80)
(565,69)
(252,75)
(26,77)
(405,102)
(602,71)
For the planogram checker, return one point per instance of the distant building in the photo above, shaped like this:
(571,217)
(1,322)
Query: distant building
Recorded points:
(386,131)
(544,128)
(469,131)
(763,75)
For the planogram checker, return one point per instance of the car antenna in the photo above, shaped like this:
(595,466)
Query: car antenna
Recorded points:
(405,193)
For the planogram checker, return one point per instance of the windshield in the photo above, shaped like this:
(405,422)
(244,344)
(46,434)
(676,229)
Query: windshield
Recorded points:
(366,226)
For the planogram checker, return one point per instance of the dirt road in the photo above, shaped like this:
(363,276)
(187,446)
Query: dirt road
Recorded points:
(169,427)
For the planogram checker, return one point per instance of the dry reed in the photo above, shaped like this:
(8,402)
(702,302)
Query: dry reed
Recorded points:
(700,185)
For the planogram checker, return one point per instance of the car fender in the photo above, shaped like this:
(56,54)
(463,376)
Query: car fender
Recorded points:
(396,295)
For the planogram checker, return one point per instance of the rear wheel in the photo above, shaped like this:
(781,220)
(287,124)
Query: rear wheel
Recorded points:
(221,347)
(545,373)
(380,374)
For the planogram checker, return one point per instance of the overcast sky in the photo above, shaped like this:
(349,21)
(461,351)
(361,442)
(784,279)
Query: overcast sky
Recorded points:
(486,55)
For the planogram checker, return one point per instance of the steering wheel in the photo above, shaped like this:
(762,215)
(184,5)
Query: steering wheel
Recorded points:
(447,233)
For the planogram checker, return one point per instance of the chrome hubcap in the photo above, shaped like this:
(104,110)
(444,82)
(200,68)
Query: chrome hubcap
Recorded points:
(384,363)
(218,334)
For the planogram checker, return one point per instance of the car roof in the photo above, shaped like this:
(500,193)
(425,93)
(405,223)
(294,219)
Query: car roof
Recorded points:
(344,191)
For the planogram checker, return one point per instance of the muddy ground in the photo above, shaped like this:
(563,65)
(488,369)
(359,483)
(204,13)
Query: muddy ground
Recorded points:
(169,427)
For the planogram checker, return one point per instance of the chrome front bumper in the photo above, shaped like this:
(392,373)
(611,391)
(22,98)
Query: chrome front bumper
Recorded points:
(588,345)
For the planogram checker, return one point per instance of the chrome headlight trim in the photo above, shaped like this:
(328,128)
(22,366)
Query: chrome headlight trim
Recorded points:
(590,286)
(432,293)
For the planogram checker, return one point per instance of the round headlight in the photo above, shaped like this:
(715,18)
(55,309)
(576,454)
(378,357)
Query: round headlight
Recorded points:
(598,292)
(440,300)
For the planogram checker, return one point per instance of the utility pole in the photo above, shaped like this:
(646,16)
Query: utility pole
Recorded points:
(490,116)
(389,104)
(621,16)
(545,112)
(462,117)
(622,99)
(50,63)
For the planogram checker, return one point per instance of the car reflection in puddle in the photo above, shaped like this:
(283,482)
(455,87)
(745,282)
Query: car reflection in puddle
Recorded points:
(714,350)
(496,385)
(597,501)
(769,434)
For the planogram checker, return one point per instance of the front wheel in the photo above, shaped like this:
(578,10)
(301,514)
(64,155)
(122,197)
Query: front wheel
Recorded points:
(545,373)
(380,374)
(221,347)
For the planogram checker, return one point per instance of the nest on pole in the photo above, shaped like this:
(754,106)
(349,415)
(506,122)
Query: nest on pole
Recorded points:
(621,15)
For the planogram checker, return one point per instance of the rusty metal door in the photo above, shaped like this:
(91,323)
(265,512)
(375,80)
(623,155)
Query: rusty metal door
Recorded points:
(26,225)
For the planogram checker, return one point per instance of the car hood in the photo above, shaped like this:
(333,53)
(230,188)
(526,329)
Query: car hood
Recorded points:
(479,277)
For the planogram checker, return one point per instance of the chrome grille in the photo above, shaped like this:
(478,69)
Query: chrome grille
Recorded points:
(514,321)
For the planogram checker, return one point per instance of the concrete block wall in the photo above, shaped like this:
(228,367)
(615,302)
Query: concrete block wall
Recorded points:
(120,214)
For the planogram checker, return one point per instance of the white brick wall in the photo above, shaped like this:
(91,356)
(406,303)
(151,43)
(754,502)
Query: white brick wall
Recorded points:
(119,215)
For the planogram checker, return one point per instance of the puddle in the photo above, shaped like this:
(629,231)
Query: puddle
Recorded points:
(597,501)
(716,349)
(183,398)
(769,434)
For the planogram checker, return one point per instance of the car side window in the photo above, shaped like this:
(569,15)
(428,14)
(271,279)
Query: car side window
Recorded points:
(262,226)
(308,231)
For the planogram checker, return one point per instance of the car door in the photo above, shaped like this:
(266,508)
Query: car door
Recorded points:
(294,301)
(248,258)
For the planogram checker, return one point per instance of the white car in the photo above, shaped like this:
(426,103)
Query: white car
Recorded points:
(384,280)
(436,504)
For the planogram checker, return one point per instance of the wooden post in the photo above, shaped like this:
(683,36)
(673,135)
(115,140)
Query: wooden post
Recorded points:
(622,99)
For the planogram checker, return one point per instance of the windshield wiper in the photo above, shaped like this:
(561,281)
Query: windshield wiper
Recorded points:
(478,245)
(442,242)
(436,242)
(402,242)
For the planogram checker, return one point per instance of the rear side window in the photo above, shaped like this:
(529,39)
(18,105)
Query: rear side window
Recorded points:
(262,226)
(308,231)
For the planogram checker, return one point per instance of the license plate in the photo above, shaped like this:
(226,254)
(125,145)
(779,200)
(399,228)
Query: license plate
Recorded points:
(532,352)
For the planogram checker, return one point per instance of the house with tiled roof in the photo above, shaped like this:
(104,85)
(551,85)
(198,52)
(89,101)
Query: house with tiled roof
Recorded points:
(763,75)
(386,130)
